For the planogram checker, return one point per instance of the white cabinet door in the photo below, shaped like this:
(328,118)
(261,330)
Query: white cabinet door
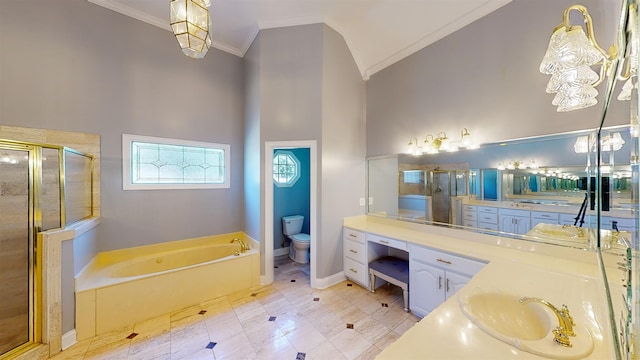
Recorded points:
(455,282)
(522,225)
(515,224)
(426,287)
(506,223)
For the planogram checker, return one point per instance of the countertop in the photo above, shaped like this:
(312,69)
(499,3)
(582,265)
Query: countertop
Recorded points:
(563,208)
(523,268)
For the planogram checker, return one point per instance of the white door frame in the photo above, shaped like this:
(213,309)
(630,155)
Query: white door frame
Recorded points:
(269,148)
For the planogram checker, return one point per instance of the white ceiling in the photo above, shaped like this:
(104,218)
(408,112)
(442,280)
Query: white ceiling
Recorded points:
(378,32)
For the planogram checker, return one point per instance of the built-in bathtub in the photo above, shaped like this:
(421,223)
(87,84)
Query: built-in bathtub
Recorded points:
(122,287)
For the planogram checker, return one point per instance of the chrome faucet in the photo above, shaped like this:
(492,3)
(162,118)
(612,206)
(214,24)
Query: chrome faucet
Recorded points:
(243,246)
(565,321)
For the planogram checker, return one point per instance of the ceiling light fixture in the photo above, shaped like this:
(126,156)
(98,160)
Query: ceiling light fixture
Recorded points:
(570,55)
(190,25)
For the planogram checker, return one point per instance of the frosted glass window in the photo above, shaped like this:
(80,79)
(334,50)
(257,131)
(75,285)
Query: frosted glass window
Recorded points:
(286,168)
(159,163)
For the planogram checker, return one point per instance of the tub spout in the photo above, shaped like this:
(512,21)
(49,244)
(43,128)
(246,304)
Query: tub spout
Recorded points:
(243,246)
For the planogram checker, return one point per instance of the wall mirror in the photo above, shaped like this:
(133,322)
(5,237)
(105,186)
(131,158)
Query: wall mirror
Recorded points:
(546,174)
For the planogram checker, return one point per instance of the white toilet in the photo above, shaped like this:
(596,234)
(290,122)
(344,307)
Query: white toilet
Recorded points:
(300,243)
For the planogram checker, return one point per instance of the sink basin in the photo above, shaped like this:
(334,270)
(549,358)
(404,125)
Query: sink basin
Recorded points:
(559,232)
(527,327)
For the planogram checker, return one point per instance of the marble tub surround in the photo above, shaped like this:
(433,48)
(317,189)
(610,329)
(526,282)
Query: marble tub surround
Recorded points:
(121,287)
(557,274)
(285,320)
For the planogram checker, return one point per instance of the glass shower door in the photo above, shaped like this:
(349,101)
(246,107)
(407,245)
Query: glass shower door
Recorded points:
(16,261)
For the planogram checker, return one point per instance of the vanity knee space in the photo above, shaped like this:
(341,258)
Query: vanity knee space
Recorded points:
(433,275)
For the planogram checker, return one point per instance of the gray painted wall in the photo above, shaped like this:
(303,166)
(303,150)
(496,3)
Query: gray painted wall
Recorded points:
(80,67)
(343,148)
(483,77)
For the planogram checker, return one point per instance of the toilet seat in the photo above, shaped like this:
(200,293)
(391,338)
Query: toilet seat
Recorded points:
(301,237)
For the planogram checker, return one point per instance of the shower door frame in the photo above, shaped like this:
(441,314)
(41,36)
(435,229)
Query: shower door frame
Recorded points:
(34,153)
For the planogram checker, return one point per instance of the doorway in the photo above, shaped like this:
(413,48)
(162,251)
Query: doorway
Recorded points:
(268,256)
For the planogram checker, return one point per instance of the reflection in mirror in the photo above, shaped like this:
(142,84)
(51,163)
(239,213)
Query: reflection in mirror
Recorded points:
(519,183)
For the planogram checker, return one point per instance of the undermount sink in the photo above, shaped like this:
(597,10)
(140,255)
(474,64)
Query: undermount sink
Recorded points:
(560,232)
(525,326)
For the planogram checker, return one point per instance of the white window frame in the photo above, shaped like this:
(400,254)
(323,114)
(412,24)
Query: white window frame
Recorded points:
(127,184)
(295,159)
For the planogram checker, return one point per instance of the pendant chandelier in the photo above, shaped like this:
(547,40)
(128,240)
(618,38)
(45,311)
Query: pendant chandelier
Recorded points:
(190,25)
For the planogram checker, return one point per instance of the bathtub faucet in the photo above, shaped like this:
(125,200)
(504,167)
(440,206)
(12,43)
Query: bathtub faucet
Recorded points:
(243,247)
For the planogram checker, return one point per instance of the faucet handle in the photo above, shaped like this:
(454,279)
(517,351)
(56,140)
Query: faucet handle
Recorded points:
(561,337)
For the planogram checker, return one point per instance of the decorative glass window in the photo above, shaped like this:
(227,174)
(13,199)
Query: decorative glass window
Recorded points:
(286,168)
(151,163)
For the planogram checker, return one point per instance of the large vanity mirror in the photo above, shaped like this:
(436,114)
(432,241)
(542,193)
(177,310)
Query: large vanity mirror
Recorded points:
(545,179)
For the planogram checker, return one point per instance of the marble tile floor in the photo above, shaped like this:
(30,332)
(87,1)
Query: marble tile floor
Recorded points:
(286,320)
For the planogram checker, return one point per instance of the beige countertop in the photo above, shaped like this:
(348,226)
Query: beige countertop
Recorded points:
(564,208)
(557,274)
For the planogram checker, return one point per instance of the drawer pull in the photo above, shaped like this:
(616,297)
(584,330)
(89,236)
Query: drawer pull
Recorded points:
(353,251)
(444,261)
(384,242)
(354,270)
(353,235)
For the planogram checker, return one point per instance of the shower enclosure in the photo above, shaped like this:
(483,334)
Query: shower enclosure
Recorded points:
(32,193)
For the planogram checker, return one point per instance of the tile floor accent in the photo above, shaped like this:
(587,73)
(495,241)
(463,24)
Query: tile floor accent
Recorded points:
(238,326)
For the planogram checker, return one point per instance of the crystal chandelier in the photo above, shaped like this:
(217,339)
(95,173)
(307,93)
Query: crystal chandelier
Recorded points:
(190,25)
(570,55)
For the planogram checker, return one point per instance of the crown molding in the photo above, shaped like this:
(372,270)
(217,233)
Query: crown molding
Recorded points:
(462,21)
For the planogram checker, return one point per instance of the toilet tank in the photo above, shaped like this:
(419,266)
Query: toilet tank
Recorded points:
(292,225)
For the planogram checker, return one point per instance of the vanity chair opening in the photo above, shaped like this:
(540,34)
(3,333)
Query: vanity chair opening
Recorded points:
(394,271)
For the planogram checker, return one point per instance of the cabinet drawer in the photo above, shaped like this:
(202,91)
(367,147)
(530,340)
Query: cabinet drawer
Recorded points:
(568,219)
(544,215)
(469,223)
(355,251)
(445,261)
(488,218)
(487,210)
(487,226)
(512,212)
(467,215)
(356,272)
(470,208)
(353,235)
(388,242)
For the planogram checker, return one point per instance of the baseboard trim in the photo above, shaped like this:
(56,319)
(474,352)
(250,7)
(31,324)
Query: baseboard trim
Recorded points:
(329,280)
(281,251)
(68,339)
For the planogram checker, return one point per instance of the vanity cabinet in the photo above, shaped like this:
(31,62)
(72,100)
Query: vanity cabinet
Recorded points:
(469,216)
(355,256)
(434,276)
(515,221)
(488,218)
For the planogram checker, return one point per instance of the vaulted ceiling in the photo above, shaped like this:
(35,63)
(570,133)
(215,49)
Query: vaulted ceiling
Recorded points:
(378,32)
